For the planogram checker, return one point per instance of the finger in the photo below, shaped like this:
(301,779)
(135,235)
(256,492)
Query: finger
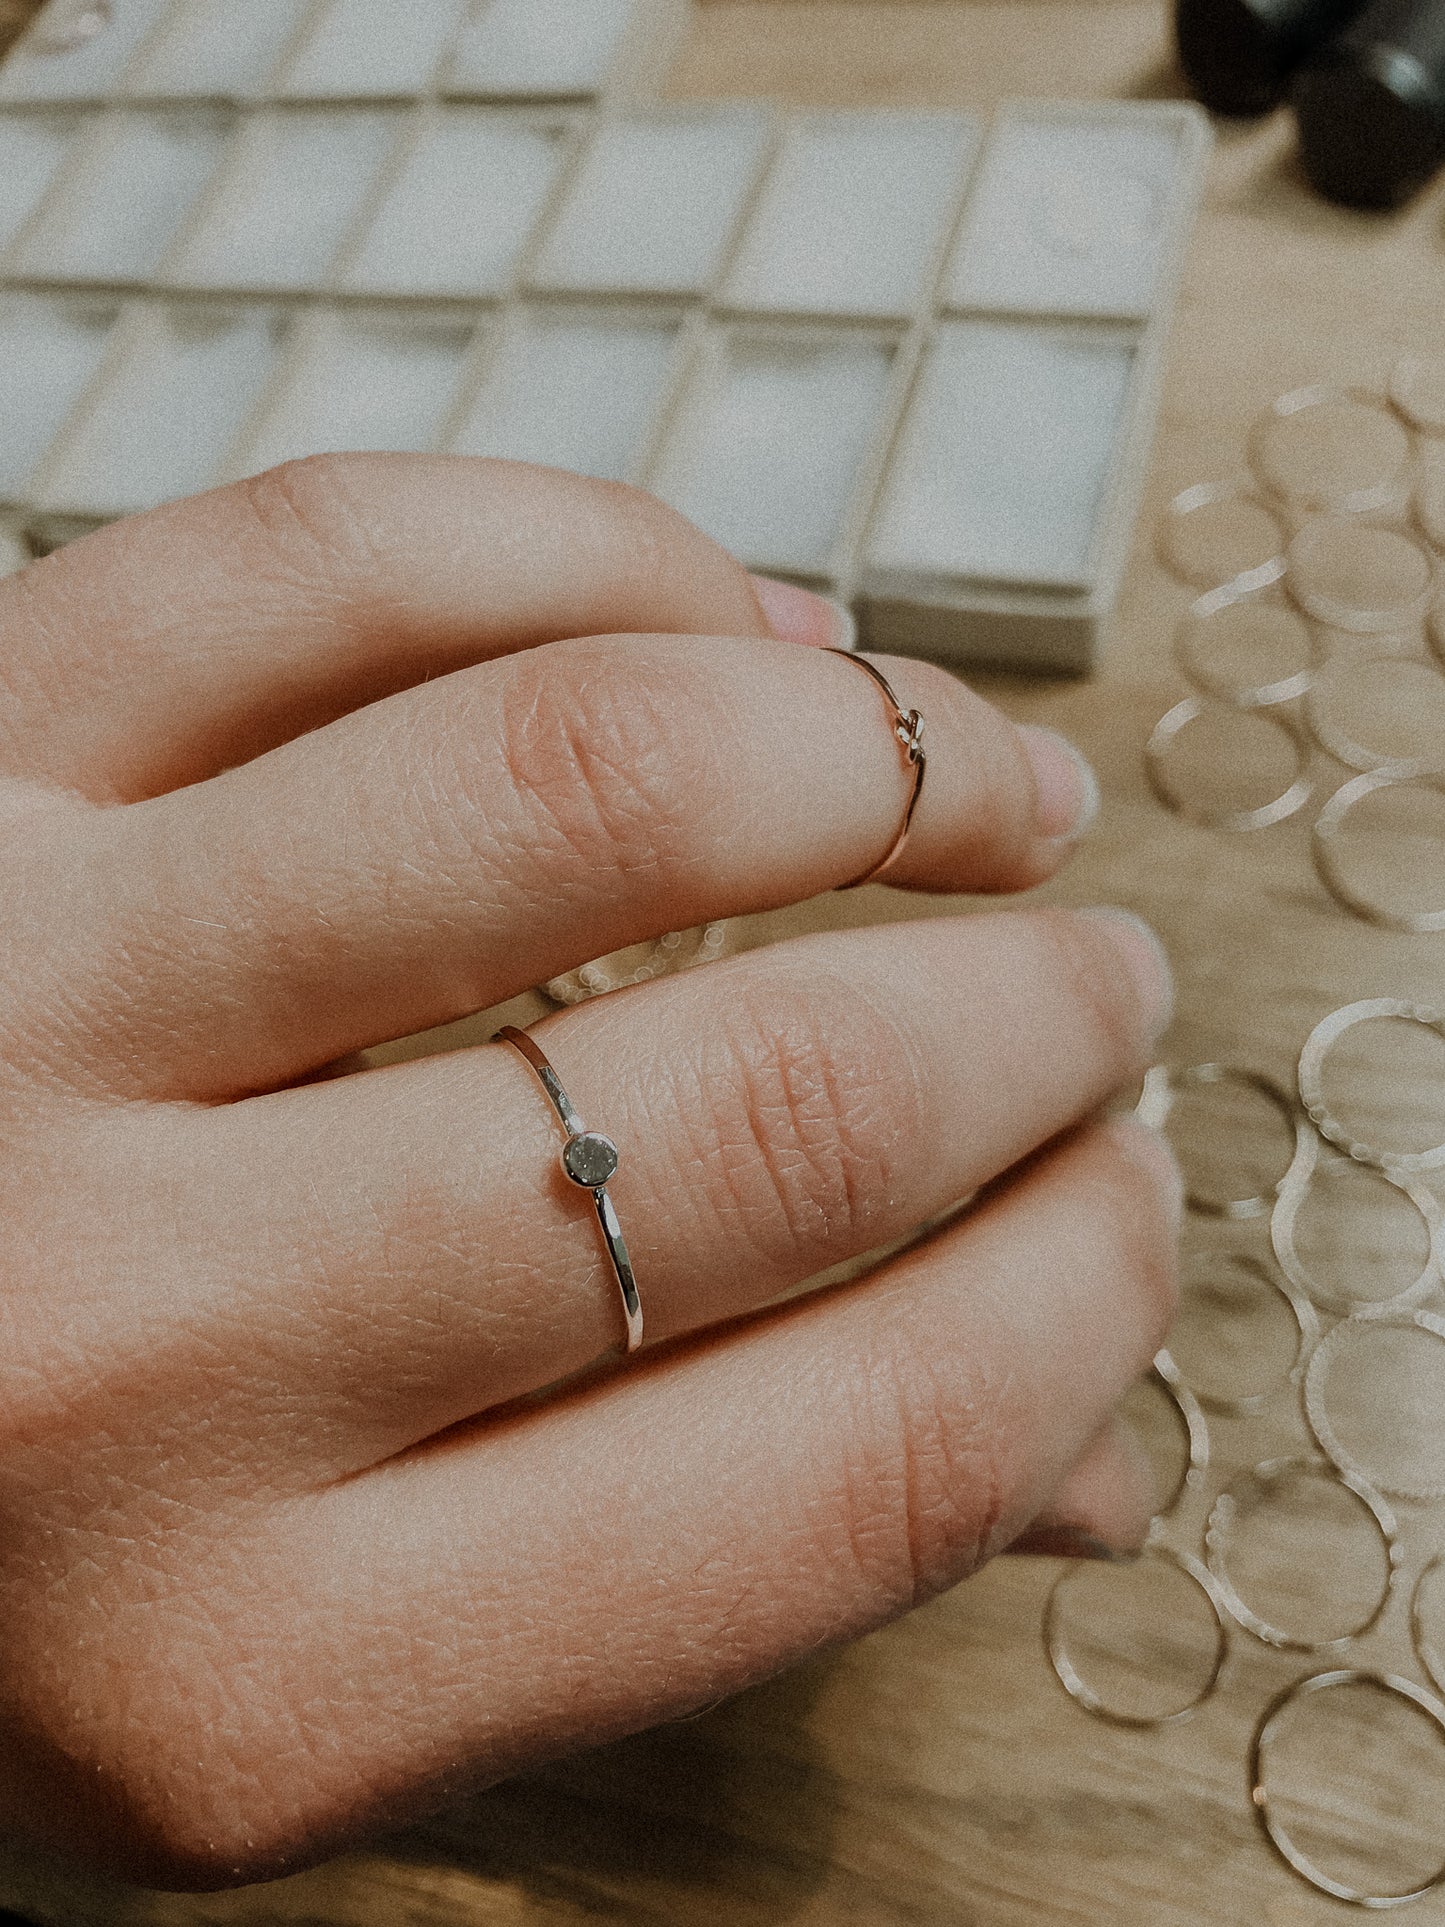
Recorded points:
(177,643)
(401,1249)
(648,1544)
(439,852)
(1105,1506)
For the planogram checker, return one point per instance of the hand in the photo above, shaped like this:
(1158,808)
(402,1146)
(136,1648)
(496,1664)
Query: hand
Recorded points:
(310,763)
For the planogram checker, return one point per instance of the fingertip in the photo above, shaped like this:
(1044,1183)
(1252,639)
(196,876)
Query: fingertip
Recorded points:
(798,615)
(1150,1151)
(1146,963)
(1105,1507)
(1066,790)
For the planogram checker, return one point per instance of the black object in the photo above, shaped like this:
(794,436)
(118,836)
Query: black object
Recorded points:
(1238,55)
(1371,105)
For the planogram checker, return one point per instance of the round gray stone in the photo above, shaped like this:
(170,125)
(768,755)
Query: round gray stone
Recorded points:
(589,1159)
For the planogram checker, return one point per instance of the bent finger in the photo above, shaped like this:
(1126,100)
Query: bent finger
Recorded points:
(177,643)
(439,852)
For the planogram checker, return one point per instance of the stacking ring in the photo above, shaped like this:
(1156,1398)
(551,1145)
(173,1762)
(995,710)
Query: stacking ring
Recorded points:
(908,728)
(590,1160)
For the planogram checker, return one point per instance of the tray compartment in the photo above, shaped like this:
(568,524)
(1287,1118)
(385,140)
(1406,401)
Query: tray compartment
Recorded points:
(1073,213)
(215,49)
(575,389)
(539,49)
(771,437)
(114,212)
(90,71)
(372,48)
(165,415)
(1003,464)
(50,348)
(457,218)
(853,215)
(361,381)
(33,148)
(289,190)
(655,202)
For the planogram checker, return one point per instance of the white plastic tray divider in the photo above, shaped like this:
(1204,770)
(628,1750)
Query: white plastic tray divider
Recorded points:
(687,355)
(848,565)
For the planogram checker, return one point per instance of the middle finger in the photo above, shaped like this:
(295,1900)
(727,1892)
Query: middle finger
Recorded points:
(440,851)
(776,1114)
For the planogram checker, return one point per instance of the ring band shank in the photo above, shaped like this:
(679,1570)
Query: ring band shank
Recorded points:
(908,728)
(613,1241)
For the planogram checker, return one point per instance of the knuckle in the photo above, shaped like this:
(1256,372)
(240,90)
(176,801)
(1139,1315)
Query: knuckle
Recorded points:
(596,759)
(924,1489)
(810,1117)
(307,514)
(658,543)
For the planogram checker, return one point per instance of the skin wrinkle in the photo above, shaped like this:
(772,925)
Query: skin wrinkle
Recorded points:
(594,761)
(801,1130)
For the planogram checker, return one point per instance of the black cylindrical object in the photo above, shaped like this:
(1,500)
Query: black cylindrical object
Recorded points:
(1371,105)
(1238,55)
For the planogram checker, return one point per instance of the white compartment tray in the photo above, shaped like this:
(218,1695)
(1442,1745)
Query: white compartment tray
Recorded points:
(907,357)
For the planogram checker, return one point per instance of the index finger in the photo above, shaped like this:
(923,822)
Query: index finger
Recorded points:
(178,643)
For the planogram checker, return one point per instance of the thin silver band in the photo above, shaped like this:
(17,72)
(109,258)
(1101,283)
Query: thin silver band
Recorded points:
(588,1159)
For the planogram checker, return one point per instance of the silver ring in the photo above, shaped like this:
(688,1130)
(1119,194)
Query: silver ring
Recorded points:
(589,1160)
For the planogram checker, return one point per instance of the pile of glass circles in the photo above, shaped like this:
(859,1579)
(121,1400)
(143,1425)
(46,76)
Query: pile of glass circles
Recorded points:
(1315,649)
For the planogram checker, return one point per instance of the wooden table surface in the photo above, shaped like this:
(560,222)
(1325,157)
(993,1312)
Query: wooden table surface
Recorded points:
(936,1772)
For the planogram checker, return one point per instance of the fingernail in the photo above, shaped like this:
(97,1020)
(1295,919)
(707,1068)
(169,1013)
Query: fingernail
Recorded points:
(1069,1542)
(1146,960)
(797,615)
(1151,1152)
(1067,788)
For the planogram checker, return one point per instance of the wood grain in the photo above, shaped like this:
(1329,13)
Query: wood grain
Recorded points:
(935,1772)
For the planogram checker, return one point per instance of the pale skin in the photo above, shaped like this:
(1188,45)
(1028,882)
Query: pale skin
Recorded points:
(355,749)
